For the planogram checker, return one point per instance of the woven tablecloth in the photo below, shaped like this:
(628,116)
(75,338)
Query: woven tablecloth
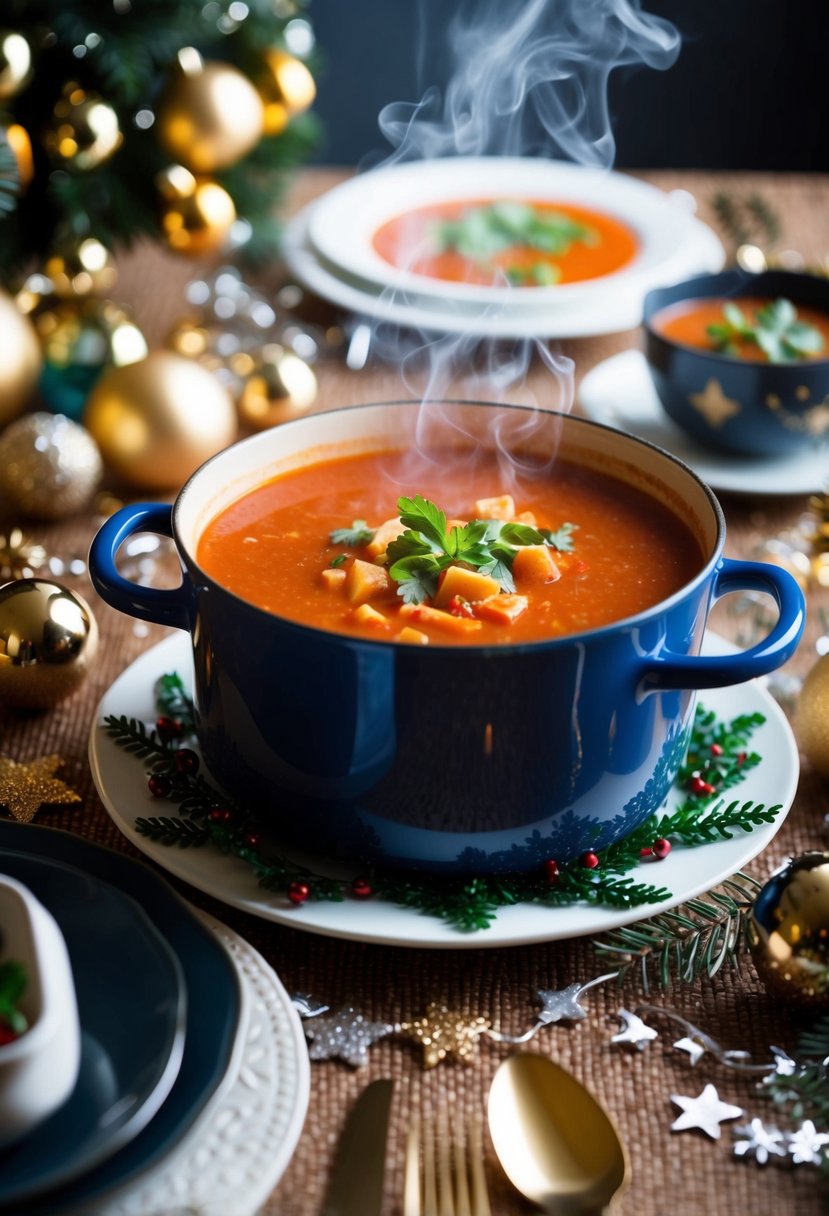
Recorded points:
(686,1173)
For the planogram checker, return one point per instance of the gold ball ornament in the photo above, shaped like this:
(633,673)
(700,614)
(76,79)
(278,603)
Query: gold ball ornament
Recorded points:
(156,421)
(21,146)
(15,64)
(197,213)
(813,716)
(286,87)
(210,115)
(20,359)
(49,466)
(48,643)
(788,932)
(281,386)
(80,268)
(84,132)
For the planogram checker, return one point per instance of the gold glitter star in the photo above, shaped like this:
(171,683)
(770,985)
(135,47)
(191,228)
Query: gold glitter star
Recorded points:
(443,1031)
(24,788)
(713,404)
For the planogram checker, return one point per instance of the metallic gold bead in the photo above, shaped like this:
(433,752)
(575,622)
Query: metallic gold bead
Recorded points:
(84,131)
(48,642)
(789,932)
(210,115)
(286,87)
(15,63)
(81,268)
(281,386)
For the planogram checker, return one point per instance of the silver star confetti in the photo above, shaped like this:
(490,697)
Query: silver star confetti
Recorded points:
(807,1144)
(345,1034)
(759,1141)
(635,1031)
(695,1049)
(561,1005)
(704,1113)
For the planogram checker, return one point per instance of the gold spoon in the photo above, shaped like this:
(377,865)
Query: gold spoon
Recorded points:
(557,1145)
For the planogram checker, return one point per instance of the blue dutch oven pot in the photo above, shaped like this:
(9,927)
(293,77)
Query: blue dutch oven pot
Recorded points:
(463,759)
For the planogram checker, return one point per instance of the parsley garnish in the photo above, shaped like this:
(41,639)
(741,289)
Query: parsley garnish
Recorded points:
(483,232)
(417,557)
(339,559)
(12,985)
(776,330)
(358,534)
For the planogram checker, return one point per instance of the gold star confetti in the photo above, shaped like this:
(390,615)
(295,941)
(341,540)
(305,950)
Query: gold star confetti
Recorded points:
(24,788)
(713,404)
(443,1031)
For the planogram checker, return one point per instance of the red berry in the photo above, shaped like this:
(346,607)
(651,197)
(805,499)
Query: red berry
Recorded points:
(741,757)
(716,750)
(698,785)
(169,728)
(661,848)
(160,785)
(221,815)
(361,888)
(298,892)
(253,840)
(590,860)
(551,871)
(646,852)
(186,760)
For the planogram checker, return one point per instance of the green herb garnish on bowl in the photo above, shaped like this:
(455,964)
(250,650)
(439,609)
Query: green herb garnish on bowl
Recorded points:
(775,329)
(12,986)
(484,232)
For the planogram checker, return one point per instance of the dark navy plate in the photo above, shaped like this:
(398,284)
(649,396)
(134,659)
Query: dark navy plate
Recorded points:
(213,1010)
(132,1006)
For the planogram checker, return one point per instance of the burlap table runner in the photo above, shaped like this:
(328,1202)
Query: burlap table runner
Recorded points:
(687,1173)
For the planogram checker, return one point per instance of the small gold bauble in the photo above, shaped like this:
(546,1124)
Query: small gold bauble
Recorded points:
(197,214)
(84,132)
(210,115)
(788,931)
(813,716)
(49,465)
(156,421)
(80,268)
(20,359)
(280,387)
(286,87)
(15,63)
(48,642)
(189,338)
(21,146)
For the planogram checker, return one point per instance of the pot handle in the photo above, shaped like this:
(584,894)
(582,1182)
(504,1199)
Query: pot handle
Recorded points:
(147,603)
(694,671)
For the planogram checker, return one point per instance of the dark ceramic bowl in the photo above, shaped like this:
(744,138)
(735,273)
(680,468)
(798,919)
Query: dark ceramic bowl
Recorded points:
(375,750)
(745,407)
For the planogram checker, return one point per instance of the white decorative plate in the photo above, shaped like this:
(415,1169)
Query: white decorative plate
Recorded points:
(686,872)
(328,247)
(620,393)
(231,1160)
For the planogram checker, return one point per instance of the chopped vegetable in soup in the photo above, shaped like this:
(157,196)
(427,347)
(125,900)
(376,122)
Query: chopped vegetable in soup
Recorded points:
(337,546)
(506,241)
(772,331)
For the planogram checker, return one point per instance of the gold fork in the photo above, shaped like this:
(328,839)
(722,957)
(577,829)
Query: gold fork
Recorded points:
(447,1178)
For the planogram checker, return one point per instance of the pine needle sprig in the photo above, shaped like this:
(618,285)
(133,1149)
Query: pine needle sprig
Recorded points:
(805,1090)
(132,735)
(164,829)
(680,945)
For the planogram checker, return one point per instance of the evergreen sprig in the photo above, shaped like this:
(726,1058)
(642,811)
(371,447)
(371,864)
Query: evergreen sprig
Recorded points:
(684,943)
(123,53)
(681,943)
(804,1091)
(746,220)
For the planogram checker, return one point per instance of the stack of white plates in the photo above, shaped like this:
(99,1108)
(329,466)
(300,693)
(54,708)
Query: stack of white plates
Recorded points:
(329,248)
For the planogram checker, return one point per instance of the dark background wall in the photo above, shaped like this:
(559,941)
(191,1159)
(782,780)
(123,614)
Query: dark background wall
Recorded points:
(750,89)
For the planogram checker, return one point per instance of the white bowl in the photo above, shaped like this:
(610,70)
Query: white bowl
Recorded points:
(39,1069)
